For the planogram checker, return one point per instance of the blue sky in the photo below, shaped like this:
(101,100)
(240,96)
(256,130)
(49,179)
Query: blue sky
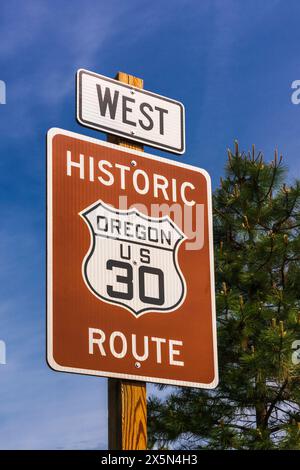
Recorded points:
(230,62)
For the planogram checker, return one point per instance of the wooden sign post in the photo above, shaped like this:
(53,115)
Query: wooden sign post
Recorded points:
(127,401)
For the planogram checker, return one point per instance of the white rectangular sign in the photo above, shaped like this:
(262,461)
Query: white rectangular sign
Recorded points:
(117,108)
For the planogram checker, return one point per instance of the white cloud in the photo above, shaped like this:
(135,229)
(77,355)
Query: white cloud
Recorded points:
(36,417)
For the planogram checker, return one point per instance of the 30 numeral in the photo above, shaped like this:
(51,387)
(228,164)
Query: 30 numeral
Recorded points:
(127,280)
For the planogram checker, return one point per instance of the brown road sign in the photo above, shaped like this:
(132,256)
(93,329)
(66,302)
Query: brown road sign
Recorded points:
(130,264)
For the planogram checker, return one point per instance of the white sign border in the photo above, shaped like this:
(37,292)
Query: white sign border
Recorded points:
(127,135)
(50,358)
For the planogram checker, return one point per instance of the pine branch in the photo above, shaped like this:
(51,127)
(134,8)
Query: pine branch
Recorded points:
(276,166)
(274,402)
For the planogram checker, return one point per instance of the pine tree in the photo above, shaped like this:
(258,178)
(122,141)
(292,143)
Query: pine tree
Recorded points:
(257,257)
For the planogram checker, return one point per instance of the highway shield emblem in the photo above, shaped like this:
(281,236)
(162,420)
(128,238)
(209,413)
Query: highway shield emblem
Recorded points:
(132,261)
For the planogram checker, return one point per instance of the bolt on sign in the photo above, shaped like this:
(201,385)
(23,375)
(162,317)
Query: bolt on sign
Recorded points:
(118,108)
(130,264)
